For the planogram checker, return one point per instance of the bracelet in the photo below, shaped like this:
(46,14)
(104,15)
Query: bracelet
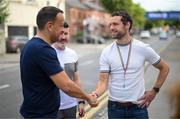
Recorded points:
(81,102)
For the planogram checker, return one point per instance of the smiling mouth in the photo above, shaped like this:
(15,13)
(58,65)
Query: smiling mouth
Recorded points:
(113,33)
(63,41)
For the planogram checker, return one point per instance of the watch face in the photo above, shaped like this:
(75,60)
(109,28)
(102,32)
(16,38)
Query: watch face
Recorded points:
(156,89)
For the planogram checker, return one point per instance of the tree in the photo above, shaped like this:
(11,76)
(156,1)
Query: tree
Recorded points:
(115,5)
(138,14)
(3,16)
(3,11)
(134,10)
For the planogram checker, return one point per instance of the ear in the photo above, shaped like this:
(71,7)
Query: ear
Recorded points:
(128,25)
(49,25)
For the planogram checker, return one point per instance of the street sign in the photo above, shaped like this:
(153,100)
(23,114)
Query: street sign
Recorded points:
(163,15)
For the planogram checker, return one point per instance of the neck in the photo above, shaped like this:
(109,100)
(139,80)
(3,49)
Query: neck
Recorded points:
(59,47)
(43,35)
(124,40)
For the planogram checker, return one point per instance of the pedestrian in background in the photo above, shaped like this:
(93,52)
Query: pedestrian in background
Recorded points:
(41,73)
(122,71)
(69,62)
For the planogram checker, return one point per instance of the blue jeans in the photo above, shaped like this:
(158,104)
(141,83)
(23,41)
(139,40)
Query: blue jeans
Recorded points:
(116,111)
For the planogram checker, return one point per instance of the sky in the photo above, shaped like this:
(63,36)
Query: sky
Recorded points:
(159,5)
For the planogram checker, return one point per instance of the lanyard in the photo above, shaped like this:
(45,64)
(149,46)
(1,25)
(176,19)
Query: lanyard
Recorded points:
(128,59)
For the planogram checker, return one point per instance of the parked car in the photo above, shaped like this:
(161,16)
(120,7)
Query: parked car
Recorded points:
(16,43)
(163,36)
(145,34)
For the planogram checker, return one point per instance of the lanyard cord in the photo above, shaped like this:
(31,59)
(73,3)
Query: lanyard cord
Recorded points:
(128,59)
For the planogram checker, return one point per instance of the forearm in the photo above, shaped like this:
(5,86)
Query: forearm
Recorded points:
(102,83)
(161,77)
(100,88)
(74,90)
(77,79)
(63,82)
(163,72)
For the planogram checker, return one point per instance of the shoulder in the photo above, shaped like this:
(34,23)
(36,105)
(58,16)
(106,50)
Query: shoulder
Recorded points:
(43,48)
(140,44)
(70,50)
(109,48)
(72,53)
(37,46)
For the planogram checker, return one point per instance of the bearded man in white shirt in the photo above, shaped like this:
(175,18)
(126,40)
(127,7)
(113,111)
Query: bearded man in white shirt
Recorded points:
(69,62)
(122,71)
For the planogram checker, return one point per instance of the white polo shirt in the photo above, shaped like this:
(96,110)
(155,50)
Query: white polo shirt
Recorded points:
(132,87)
(67,59)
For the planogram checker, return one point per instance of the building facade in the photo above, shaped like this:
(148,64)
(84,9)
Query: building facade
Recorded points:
(22,18)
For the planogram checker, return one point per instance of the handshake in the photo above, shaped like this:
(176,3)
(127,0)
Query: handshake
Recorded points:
(92,99)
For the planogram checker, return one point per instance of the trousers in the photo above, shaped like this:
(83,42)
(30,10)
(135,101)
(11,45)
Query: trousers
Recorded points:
(118,110)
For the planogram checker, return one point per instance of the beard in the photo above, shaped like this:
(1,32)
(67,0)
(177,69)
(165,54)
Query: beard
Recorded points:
(61,46)
(119,35)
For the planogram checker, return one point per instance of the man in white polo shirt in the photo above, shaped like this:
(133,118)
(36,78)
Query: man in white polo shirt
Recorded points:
(122,71)
(69,62)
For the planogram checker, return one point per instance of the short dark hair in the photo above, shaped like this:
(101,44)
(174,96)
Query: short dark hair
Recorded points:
(66,25)
(46,14)
(125,17)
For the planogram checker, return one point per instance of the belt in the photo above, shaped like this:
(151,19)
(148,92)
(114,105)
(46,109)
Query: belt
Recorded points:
(124,104)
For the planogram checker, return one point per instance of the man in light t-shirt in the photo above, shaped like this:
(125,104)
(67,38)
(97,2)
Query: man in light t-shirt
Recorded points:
(69,62)
(122,71)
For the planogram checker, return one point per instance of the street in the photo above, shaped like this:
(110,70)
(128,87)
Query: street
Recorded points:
(10,85)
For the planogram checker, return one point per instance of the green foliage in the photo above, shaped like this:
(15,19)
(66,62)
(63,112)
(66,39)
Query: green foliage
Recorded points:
(134,10)
(114,5)
(160,23)
(175,23)
(79,34)
(138,14)
(3,11)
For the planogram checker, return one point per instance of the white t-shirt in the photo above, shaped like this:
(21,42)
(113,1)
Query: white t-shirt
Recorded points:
(132,87)
(67,57)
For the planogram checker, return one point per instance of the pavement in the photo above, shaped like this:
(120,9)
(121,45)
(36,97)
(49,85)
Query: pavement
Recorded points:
(9,60)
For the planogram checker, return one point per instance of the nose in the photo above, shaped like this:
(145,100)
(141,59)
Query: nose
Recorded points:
(63,36)
(111,27)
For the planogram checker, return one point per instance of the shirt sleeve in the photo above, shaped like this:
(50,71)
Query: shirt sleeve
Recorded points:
(104,65)
(48,61)
(151,56)
(75,56)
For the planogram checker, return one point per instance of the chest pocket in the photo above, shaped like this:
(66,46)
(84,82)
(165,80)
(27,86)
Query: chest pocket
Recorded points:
(69,69)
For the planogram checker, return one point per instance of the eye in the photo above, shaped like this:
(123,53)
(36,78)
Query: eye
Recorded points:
(62,32)
(66,33)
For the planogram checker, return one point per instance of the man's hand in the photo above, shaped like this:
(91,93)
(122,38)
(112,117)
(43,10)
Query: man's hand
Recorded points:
(92,100)
(95,94)
(81,110)
(146,99)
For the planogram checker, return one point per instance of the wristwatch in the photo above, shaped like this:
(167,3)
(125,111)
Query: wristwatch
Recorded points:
(81,102)
(156,89)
